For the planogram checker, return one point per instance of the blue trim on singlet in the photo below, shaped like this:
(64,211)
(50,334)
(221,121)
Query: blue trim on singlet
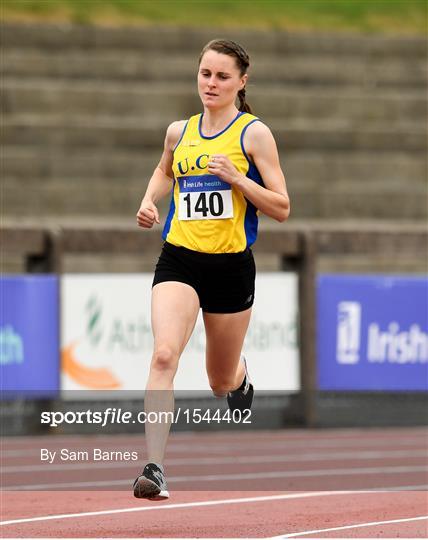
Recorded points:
(171,213)
(251,220)
(242,139)
(182,135)
(240,113)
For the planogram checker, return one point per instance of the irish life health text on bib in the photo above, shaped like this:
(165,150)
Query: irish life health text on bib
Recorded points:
(204,197)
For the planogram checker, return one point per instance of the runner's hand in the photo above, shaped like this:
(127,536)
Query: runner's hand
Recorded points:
(147,215)
(221,166)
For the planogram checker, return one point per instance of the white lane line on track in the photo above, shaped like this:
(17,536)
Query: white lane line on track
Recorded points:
(187,505)
(303,436)
(275,458)
(315,473)
(356,526)
(227,447)
(213,449)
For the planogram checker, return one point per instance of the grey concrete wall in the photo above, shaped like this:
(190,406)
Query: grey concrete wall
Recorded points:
(85,111)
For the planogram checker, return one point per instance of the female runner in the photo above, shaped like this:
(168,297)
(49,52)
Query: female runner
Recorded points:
(223,167)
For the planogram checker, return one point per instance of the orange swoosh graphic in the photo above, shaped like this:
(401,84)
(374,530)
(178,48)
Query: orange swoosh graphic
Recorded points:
(94,378)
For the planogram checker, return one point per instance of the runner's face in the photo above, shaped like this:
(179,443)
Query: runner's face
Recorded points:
(219,80)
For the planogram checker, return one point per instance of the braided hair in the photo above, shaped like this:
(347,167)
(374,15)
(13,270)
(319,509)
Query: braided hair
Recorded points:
(231,48)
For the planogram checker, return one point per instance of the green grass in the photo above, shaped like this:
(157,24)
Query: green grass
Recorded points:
(374,16)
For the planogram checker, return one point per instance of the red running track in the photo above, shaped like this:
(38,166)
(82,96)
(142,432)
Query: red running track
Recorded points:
(294,483)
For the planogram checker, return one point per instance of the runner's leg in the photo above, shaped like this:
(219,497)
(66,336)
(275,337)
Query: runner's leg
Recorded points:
(225,334)
(175,308)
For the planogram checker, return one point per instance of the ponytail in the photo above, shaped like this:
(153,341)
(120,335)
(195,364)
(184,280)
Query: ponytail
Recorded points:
(243,105)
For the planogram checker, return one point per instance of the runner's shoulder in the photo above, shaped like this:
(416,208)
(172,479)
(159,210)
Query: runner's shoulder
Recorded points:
(173,133)
(258,129)
(257,136)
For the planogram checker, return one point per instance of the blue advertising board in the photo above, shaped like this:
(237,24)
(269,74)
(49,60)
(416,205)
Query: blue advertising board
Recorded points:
(29,336)
(372,333)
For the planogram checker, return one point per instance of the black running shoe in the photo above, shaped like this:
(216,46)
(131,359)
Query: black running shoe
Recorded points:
(242,398)
(151,484)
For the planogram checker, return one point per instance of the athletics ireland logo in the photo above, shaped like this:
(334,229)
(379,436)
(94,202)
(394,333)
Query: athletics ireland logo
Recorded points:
(99,378)
(93,327)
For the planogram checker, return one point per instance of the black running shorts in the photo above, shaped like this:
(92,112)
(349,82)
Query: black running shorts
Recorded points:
(224,282)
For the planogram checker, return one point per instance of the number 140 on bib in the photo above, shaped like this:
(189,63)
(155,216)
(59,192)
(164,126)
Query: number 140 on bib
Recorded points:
(205,205)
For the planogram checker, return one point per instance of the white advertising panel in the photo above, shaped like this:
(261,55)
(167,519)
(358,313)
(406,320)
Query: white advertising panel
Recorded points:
(106,337)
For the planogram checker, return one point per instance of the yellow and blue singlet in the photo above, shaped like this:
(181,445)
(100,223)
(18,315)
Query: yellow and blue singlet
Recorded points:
(206,213)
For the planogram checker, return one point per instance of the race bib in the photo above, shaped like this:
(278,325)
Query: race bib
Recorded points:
(204,197)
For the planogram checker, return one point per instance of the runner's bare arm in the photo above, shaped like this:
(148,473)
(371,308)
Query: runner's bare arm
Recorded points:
(260,146)
(160,183)
(273,200)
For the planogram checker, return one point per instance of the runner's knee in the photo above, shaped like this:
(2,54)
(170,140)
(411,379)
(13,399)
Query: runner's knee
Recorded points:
(222,387)
(164,359)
